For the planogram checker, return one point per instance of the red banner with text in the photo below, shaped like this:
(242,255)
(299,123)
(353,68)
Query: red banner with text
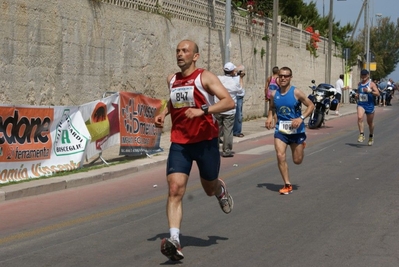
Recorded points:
(138,133)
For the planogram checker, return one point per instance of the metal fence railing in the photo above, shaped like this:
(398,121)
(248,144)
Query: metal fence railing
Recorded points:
(211,13)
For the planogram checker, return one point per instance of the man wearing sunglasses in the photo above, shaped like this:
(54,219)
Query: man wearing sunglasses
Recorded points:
(286,103)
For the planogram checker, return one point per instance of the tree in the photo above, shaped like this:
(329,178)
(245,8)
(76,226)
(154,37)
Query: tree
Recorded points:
(263,8)
(384,43)
(294,12)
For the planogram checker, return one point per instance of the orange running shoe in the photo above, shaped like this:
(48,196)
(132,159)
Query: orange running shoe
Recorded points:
(287,189)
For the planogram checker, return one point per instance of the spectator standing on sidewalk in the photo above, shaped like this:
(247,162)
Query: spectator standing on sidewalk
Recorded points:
(366,91)
(226,119)
(382,88)
(339,86)
(237,128)
(285,102)
(194,137)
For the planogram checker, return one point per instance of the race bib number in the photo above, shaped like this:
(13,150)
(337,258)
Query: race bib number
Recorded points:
(182,97)
(285,127)
(363,97)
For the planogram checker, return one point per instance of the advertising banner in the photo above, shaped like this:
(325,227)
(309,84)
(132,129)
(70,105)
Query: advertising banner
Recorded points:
(102,121)
(138,133)
(40,141)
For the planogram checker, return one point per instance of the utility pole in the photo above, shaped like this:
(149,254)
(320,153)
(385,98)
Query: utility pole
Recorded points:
(273,59)
(367,25)
(330,32)
(227,24)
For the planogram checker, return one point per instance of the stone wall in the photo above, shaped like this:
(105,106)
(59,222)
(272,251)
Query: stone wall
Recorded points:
(57,52)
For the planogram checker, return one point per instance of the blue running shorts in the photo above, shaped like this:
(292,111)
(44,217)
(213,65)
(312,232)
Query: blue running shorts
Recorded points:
(369,109)
(205,153)
(291,138)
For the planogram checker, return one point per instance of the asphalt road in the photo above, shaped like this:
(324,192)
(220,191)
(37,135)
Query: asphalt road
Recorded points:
(343,211)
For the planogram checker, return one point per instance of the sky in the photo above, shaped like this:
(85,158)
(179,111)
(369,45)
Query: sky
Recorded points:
(348,12)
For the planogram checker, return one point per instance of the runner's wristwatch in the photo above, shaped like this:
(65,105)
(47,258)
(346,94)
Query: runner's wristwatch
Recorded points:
(302,117)
(204,108)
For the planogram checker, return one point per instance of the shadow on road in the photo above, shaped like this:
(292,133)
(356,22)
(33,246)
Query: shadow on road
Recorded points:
(187,241)
(190,241)
(356,145)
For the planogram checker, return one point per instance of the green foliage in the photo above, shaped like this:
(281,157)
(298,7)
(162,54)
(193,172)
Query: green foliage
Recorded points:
(356,48)
(258,7)
(266,38)
(384,43)
(262,53)
(384,38)
(292,8)
(312,50)
(294,12)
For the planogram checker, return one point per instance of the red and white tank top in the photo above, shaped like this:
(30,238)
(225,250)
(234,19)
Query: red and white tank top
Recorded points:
(188,92)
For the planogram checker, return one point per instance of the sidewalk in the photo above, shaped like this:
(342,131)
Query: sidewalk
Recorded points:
(252,129)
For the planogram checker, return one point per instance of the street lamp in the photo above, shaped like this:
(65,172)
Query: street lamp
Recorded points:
(377,18)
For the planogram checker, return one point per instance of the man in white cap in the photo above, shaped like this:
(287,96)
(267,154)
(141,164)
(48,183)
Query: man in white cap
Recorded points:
(226,119)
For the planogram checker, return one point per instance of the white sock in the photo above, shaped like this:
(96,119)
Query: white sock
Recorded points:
(175,233)
(222,193)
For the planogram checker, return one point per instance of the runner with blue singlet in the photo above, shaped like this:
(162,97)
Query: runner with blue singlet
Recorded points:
(285,107)
(366,92)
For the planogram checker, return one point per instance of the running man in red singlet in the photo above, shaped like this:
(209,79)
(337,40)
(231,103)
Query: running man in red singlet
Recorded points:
(194,137)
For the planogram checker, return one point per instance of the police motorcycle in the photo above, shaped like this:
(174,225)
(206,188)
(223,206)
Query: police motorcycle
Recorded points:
(389,94)
(323,99)
(352,96)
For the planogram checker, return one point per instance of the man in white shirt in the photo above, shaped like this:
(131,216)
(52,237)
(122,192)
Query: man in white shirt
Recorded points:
(226,119)
(339,86)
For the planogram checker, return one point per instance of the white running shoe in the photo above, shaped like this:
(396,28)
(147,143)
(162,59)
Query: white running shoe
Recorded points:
(226,201)
(171,248)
